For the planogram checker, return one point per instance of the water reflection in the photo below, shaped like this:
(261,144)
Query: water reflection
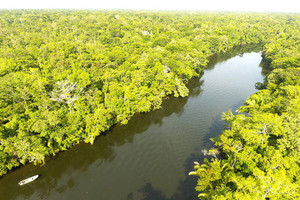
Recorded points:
(185,190)
(236,51)
(186,187)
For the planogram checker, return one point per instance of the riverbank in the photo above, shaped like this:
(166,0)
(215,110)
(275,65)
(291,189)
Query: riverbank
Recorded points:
(260,148)
(68,76)
(153,152)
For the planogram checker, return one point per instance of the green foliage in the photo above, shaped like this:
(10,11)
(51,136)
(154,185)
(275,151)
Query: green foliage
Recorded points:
(262,148)
(68,76)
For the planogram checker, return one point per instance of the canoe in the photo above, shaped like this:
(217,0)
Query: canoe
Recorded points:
(28,180)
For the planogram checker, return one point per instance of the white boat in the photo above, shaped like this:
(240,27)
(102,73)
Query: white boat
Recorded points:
(28,180)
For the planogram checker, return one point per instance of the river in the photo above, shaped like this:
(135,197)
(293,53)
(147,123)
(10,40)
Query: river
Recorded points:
(150,157)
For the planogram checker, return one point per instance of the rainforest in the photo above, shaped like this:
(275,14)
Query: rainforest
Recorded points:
(68,76)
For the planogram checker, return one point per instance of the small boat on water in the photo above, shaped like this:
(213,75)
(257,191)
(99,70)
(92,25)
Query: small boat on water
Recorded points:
(28,180)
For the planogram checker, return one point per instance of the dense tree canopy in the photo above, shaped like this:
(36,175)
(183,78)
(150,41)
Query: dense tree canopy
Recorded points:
(259,148)
(68,76)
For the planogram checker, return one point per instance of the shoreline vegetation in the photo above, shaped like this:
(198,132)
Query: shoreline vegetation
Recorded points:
(257,154)
(68,75)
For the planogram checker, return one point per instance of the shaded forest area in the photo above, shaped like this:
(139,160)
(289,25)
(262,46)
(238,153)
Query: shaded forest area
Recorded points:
(68,76)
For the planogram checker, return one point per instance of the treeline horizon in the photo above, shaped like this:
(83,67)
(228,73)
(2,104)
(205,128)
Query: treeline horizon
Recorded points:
(184,11)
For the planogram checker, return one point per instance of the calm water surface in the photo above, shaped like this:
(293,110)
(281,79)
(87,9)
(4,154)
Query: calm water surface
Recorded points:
(150,157)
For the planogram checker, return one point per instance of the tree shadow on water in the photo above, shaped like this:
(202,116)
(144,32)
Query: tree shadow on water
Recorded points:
(150,193)
(186,187)
(184,191)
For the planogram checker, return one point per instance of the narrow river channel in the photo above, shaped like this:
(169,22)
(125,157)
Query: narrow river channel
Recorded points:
(150,157)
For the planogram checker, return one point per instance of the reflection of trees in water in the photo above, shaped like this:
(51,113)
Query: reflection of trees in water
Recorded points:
(266,67)
(184,191)
(235,51)
(194,86)
(186,187)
